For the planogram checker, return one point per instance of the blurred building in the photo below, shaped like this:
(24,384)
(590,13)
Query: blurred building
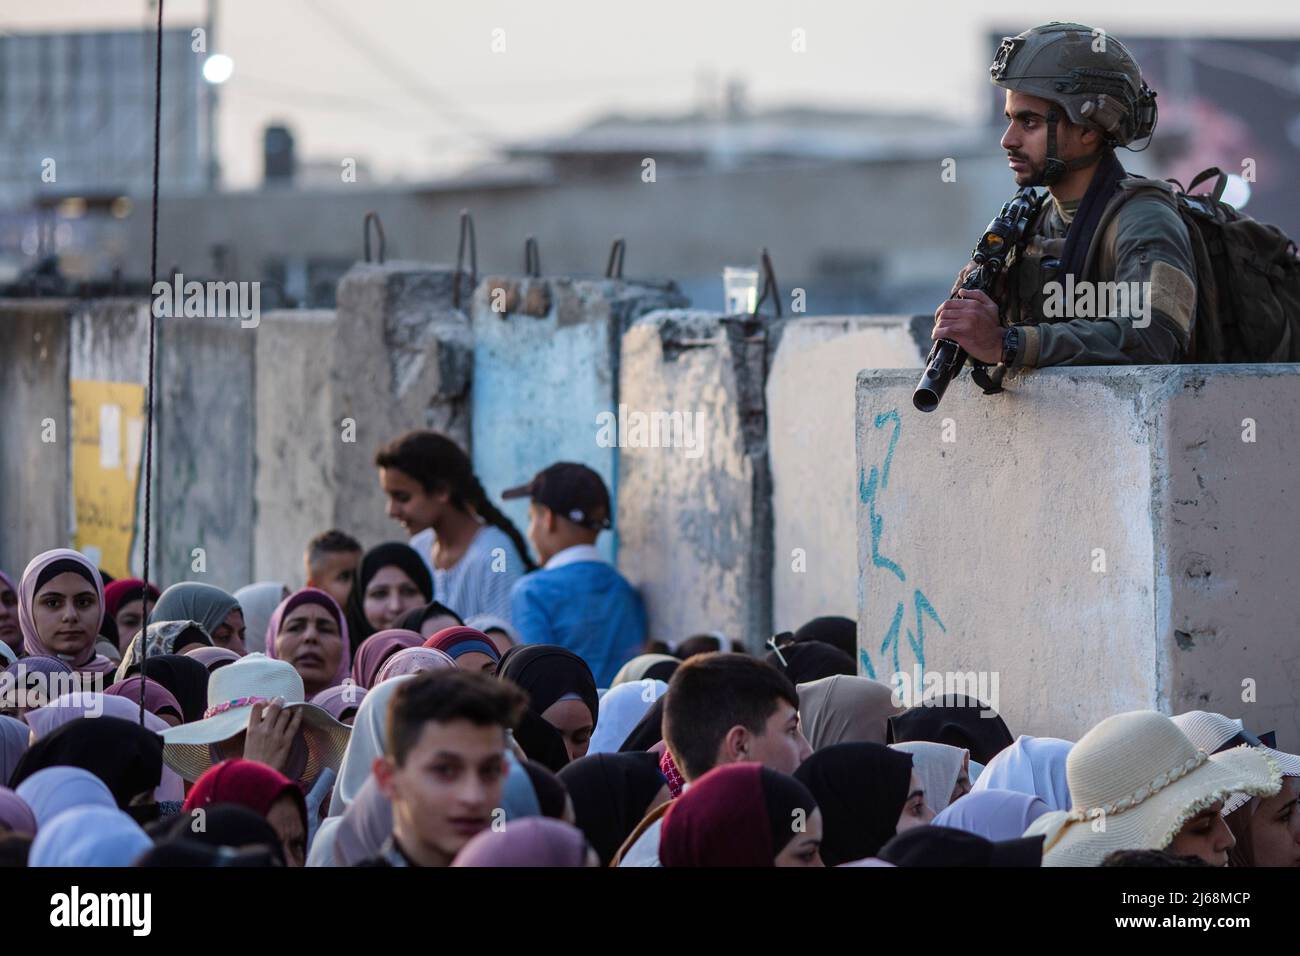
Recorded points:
(76,141)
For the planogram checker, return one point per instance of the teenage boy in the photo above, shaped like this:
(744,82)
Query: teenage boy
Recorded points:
(721,709)
(444,763)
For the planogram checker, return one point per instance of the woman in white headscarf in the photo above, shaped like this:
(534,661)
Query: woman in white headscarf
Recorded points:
(258,602)
(89,836)
(1033,765)
(993,814)
(944,770)
(621,709)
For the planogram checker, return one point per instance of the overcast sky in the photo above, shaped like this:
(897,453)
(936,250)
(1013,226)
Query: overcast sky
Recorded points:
(410,85)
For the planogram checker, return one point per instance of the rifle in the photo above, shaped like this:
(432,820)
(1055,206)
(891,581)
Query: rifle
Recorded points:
(946,358)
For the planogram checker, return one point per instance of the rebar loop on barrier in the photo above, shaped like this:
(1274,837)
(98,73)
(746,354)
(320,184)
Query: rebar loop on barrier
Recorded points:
(769,282)
(467,236)
(616,252)
(532,258)
(373,216)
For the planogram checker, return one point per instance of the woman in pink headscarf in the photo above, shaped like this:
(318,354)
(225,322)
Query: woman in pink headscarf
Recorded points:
(378,648)
(61,609)
(11,634)
(158,700)
(309,631)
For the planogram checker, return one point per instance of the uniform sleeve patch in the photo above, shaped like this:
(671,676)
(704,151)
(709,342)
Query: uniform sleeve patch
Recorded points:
(1173,293)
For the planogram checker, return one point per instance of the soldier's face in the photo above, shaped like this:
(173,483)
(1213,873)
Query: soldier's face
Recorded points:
(1025,139)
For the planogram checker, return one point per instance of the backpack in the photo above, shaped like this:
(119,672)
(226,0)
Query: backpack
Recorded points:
(1247,278)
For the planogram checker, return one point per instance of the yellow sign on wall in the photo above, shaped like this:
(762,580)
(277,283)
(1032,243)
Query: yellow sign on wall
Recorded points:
(107,438)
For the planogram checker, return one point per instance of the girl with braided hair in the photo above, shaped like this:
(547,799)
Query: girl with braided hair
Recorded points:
(473,550)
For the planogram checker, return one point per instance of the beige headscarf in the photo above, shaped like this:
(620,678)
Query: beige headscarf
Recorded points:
(841,709)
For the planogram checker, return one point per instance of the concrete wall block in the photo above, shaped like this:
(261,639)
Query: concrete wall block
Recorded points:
(1060,537)
(403,360)
(296,440)
(203,458)
(545,369)
(34,475)
(696,523)
(811,395)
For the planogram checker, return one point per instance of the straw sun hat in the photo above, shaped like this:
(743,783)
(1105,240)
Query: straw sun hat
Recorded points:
(1135,780)
(1210,732)
(232,692)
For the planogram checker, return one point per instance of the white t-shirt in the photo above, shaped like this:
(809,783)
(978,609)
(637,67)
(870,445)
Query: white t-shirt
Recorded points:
(480,582)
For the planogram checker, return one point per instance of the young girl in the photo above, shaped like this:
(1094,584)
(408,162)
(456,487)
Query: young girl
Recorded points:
(477,554)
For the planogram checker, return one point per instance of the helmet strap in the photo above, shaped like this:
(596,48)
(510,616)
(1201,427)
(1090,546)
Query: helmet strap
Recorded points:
(1054,168)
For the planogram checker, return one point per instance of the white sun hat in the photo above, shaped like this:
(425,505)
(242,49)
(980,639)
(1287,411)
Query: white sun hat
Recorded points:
(232,692)
(1135,780)
(1210,732)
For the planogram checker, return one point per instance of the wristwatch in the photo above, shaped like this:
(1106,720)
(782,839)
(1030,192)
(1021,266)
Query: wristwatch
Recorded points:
(1010,346)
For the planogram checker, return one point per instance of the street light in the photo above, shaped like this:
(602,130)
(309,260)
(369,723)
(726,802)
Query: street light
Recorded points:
(217,68)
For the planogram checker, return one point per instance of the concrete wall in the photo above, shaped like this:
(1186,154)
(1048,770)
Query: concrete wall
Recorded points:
(811,395)
(1103,539)
(403,360)
(108,342)
(297,440)
(696,529)
(35,487)
(204,456)
(546,364)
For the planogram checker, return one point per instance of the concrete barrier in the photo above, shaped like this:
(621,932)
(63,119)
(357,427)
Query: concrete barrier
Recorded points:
(34,473)
(695,517)
(297,440)
(811,396)
(1099,539)
(402,359)
(546,367)
(204,453)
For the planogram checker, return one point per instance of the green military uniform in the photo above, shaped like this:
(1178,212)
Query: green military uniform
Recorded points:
(1146,242)
(1091,79)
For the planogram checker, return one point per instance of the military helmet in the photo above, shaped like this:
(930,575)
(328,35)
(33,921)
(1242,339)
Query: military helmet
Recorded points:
(1088,72)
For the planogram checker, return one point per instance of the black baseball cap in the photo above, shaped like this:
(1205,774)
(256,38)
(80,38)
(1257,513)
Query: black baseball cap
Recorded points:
(571,490)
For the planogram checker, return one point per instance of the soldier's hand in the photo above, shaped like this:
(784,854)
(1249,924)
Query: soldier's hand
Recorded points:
(971,320)
(961,276)
(999,284)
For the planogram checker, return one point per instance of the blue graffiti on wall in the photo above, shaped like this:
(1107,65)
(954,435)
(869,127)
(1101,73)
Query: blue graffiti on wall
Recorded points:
(869,488)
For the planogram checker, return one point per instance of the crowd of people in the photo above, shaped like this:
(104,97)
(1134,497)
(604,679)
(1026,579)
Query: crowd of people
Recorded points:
(462,699)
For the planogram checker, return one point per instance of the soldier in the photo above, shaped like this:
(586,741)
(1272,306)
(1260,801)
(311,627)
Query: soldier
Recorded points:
(1073,94)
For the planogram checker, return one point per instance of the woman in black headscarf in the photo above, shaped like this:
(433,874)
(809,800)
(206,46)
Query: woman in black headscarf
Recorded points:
(867,793)
(611,794)
(430,619)
(560,687)
(957,721)
(839,632)
(392,580)
(541,742)
(185,678)
(810,661)
(124,755)
(229,825)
